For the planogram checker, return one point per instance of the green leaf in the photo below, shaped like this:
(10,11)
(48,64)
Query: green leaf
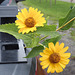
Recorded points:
(69,16)
(35,41)
(35,51)
(47,30)
(12,29)
(47,19)
(54,40)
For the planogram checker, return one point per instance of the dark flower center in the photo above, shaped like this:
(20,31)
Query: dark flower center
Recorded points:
(54,58)
(30,22)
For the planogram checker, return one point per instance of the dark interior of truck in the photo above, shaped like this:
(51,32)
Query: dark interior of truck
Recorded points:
(1,1)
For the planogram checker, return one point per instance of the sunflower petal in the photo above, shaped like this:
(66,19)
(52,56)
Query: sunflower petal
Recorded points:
(64,49)
(27,30)
(21,17)
(21,26)
(58,68)
(65,55)
(19,22)
(51,47)
(43,58)
(47,51)
(45,62)
(64,61)
(37,25)
(61,46)
(51,68)
(24,12)
(40,21)
(45,66)
(20,30)
(62,65)
(57,45)
(32,12)
(33,29)
(43,54)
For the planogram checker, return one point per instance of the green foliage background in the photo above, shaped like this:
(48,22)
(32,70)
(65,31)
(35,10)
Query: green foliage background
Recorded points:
(55,11)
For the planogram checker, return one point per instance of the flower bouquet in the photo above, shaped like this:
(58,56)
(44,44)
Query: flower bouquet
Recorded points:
(31,26)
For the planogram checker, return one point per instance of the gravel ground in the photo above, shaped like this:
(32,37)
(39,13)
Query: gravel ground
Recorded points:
(70,69)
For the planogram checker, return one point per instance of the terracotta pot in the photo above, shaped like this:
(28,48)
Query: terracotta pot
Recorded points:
(39,70)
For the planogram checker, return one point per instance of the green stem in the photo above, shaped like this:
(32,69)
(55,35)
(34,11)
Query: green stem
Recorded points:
(43,38)
(66,24)
(41,45)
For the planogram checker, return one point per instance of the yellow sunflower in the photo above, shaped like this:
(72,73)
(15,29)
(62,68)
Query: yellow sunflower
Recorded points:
(54,57)
(29,20)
